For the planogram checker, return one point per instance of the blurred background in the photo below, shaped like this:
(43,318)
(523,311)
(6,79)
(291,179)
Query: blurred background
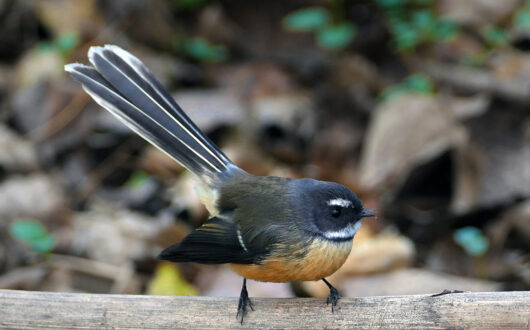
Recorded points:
(419,106)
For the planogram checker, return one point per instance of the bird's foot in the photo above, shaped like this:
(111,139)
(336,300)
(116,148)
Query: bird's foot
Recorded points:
(333,297)
(244,302)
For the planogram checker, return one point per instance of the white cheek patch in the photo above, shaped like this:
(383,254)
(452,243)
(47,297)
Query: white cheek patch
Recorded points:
(339,202)
(345,233)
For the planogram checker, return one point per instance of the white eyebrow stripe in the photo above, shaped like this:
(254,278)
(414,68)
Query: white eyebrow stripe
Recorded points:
(345,233)
(339,202)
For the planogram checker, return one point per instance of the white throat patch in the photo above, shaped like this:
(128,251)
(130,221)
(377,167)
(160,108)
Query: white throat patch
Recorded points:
(339,202)
(345,233)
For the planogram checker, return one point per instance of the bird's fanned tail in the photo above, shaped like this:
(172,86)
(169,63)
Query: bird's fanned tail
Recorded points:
(120,83)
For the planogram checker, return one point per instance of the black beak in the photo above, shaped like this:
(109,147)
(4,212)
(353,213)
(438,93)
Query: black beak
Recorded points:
(367,214)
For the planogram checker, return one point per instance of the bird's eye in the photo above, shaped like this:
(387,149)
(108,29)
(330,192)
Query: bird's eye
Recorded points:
(335,212)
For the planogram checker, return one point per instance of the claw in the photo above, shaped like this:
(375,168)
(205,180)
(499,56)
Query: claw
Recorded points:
(244,301)
(333,297)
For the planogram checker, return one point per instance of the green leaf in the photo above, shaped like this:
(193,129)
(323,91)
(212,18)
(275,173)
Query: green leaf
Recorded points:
(391,3)
(67,42)
(200,49)
(137,179)
(472,240)
(414,22)
(521,18)
(336,37)
(424,20)
(419,83)
(27,229)
(32,232)
(415,83)
(445,30)
(494,36)
(307,19)
(406,38)
(43,244)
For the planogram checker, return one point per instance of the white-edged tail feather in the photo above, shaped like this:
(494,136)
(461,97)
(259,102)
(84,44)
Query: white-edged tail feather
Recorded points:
(120,83)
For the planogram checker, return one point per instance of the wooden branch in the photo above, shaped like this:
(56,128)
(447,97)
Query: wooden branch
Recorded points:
(487,310)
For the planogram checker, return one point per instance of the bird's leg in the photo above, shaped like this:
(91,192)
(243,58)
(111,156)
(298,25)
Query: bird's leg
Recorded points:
(333,297)
(244,301)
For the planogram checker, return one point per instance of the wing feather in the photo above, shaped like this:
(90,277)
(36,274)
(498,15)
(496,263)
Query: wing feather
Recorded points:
(217,241)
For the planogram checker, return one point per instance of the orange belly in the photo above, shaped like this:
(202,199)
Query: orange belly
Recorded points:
(322,259)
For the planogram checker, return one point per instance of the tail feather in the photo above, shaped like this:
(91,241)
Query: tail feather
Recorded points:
(166,99)
(120,83)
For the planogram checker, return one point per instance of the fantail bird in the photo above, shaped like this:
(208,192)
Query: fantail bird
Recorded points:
(268,228)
